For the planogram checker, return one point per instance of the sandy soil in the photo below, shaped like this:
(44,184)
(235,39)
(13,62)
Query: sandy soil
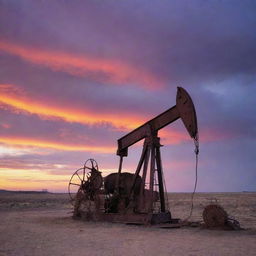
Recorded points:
(41,224)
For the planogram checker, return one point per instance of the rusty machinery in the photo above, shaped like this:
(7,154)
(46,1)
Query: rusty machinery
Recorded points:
(139,197)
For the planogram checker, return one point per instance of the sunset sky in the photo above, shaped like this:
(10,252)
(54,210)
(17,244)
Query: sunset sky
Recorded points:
(75,76)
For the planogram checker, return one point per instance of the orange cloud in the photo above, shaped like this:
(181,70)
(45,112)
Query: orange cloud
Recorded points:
(128,122)
(116,71)
(71,115)
(170,137)
(16,179)
(28,142)
(67,114)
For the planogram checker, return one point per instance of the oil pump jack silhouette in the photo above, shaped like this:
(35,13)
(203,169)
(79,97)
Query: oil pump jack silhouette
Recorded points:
(140,197)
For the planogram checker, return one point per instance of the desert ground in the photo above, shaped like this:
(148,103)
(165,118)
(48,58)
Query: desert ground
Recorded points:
(41,224)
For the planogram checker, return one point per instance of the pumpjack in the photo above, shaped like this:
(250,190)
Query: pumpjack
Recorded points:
(138,197)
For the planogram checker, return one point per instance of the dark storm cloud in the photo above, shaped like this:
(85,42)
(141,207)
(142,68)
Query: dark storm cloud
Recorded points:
(177,40)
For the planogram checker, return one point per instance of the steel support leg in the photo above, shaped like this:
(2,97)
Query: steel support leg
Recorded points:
(160,178)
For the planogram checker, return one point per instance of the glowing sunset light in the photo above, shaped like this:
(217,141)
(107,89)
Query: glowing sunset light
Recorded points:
(69,115)
(117,72)
(27,142)
(14,151)
(126,123)
(15,179)
(173,137)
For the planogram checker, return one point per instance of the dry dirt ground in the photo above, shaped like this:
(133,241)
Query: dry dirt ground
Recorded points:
(41,224)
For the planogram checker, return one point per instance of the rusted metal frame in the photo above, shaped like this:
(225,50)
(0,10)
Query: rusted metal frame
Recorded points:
(144,175)
(75,184)
(187,112)
(71,183)
(83,173)
(183,109)
(118,174)
(160,177)
(143,131)
(78,177)
(142,158)
(152,173)
(145,168)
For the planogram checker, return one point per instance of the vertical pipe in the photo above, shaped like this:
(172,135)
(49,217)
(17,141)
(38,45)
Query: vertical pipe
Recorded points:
(152,172)
(120,164)
(145,168)
(118,174)
(160,178)
(144,175)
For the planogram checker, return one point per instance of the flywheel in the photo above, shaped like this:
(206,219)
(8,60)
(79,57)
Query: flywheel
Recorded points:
(86,181)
